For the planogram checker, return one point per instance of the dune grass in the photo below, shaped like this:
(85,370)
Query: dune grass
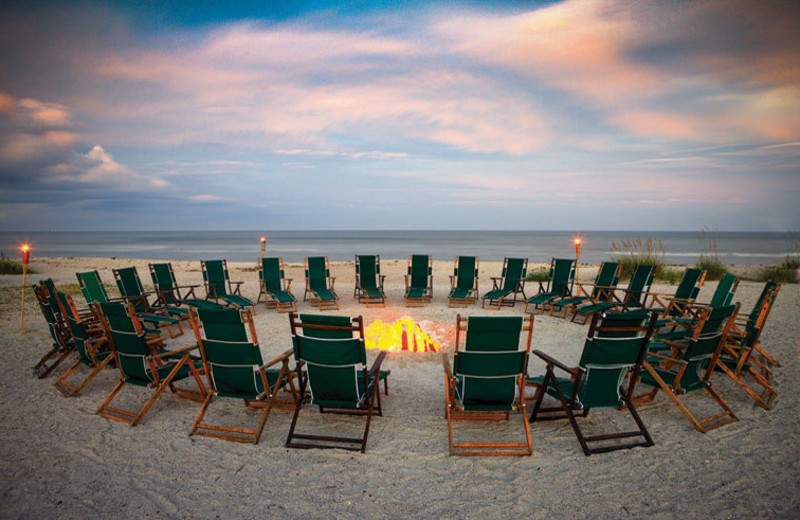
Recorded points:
(11,266)
(538,275)
(630,253)
(709,259)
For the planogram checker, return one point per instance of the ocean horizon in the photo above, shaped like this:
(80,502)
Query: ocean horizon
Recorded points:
(680,247)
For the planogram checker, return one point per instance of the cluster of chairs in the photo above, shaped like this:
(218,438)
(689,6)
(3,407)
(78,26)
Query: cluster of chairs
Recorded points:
(639,343)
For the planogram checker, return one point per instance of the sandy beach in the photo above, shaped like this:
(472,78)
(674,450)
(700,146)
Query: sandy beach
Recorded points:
(61,460)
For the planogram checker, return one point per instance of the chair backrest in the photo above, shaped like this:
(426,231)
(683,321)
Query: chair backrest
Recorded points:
(690,284)
(50,293)
(53,326)
(640,283)
(215,275)
(231,356)
(769,287)
(92,287)
(490,366)
(562,275)
(317,272)
(607,277)
(723,294)
(128,339)
(754,326)
(130,287)
(329,327)
(368,271)
(514,270)
(709,334)
(164,282)
(466,271)
(272,273)
(419,271)
(76,327)
(614,347)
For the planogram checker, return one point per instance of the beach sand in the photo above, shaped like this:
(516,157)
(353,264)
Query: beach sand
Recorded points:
(58,459)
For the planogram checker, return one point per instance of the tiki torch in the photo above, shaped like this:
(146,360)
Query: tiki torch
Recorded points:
(577,257)
(26,257)
(263,246)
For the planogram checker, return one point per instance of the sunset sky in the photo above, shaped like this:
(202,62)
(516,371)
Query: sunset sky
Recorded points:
(613,115)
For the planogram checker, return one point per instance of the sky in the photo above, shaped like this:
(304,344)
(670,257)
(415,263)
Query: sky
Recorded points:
(570,115)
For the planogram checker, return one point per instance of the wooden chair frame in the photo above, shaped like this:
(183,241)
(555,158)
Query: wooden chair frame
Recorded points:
(61,336)
(471,296)
(498,283)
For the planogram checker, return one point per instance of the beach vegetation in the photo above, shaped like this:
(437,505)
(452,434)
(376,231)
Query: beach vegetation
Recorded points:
(630,253)
(789,270)
(709,258)
(11,265)
(538,275)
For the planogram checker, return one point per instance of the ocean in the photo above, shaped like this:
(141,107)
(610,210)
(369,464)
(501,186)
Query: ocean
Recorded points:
(293,246)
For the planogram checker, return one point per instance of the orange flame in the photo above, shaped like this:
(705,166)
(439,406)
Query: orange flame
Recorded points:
(402,335)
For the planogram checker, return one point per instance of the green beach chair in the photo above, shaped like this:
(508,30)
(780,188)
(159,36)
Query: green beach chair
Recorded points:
(63,343)
(169,293)
(487,380)
(689,364)
(632,297)
(131,289)
(369,282)
(744,326)
(463,282)
(319,283)
(89,342)
(602,290)
(419,281)
(275,287)
(511,281)
(673,308)
(559,285)
(614,349)
(144,362)
(218,284)
(235,369)
(333,375)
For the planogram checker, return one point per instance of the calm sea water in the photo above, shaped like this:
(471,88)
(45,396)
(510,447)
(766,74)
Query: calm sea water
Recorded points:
(293,246)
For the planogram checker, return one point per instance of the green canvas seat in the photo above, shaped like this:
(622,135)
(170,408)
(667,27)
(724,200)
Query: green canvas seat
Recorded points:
(144,362)
(486,381)
(235,369)
(614,349)
(689,365)
(131,289)
(319,283)
(602,290)
(559,285)
(419,281)
(333,376)
(219,286)
(511,281)
(463,282)
(173,296)
(275,287)
(63,343)
(633,297)
(369,281)
(89,342)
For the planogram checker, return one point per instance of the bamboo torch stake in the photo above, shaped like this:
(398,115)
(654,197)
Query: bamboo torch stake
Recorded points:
(26,256)
(577,258)
(263,246)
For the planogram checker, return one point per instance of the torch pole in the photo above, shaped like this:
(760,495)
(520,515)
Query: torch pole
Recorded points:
(578,259)
(26,256)
(263,246)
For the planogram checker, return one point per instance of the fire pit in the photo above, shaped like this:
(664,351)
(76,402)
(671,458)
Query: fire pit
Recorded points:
(405,335)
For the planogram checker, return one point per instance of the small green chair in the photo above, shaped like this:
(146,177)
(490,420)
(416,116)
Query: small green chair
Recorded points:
(143,361)
(511,281)
(369,281)
(219,286)
(632,298)
(605,283)
(689,364)
(275,287)
(744,325)
(559,285)
(463,282)
(63,343)
(487,380)
(319,283)
(333,375)
(235,369)
(169,293)
(419,281)
(614,348)
(89,343)
(131,289)
(674,307)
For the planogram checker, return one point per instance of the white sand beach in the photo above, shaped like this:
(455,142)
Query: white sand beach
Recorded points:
(58,459)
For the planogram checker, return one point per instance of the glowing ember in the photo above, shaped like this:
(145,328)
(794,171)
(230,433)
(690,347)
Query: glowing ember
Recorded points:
(402,335)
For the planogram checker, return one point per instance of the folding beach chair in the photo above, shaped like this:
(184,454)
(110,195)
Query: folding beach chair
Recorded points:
(235,369)
(689,365)
(143,361)
(335,375)
(275,287)
(90,341)
(63,343)
(219,286)
(511,281)
(744,326)
(369,282)
(559,285)
(131,289)
(614,349)
(419,281)
(319,283)
(673,307)
(633,297)
(173,296)
(463,282)
(487,379)
(602,290)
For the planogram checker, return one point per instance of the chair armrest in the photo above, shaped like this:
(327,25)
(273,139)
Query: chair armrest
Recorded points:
(284,357)
(376,365)
(333,282)
(666,358)
(448,370)
(556,363)
(183,350)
